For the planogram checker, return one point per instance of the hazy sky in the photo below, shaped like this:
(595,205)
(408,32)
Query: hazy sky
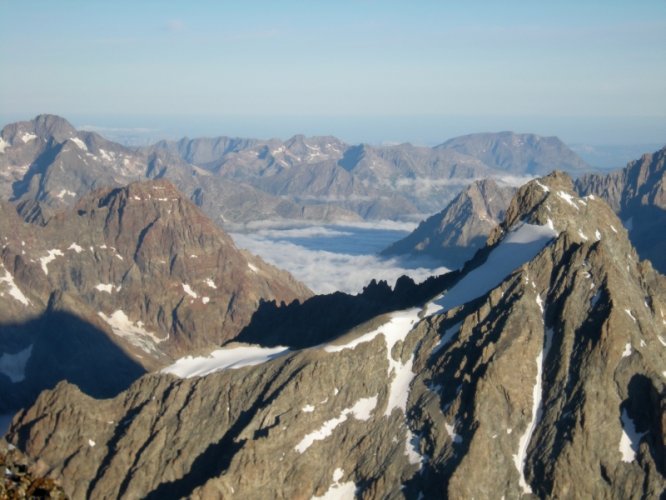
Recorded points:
(565,67)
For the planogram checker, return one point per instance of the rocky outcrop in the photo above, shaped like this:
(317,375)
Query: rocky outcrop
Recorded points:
(539,371)
(127,281)
(637,194)
(18,481)
(453,235)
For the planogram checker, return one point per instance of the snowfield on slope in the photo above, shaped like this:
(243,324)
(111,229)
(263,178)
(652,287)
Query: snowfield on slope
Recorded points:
(231,357)
(518,247)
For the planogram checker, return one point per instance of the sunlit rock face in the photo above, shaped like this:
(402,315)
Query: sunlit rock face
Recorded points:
(538,369)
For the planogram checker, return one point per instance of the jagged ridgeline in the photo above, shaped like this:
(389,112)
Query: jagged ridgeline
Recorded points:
(539,371)
(636,194)
(47,164)
(125,282)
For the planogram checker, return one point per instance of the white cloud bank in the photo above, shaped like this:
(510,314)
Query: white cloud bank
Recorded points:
(326,272)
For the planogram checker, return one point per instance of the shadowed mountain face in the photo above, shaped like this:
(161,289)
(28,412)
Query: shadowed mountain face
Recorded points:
(453,235)
(637,194)
(45,165)
(539,369)
(56,346)
(138,273)
(325,317)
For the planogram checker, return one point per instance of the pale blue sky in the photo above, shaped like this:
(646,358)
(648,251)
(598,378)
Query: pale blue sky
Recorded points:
(586,72)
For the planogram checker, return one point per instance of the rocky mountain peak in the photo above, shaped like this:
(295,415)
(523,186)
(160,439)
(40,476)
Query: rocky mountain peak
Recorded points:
(538,370)
(453,235)
(553,201)
(140,270)
(53,126)
(44,127)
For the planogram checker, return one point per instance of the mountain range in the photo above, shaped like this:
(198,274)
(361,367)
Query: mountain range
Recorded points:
(154,359)
(46,165)
(538,369)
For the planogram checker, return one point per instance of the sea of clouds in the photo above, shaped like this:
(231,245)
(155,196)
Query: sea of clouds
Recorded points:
(326,271)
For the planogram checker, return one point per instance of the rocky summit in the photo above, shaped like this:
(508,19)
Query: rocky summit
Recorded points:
(538,372)
(127,281)
(453,235)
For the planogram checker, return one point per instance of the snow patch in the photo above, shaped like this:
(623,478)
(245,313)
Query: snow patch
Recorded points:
(27,137)
(519,246)
(613,228)
(546,189)
(3,145)
(308,409)
(210,283)
(539,303)
(630,439)
(627,350)
(233,358)
(597,235)
(338,474)
(108,288)
(50,257)
(451,431)
(105,155)
(75,247)
(65,192)
(412,448)
(205,300)
(134,333)
(397,328)
(14,290)
(582,235)
(253,268)
(79,143)
(13,365)
(361,411)
(537,410)
(91,443)
(568,198)
(188,290)
(431,308)
(630,315)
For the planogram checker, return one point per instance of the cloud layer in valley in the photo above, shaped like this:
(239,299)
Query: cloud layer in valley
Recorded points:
(326,272)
